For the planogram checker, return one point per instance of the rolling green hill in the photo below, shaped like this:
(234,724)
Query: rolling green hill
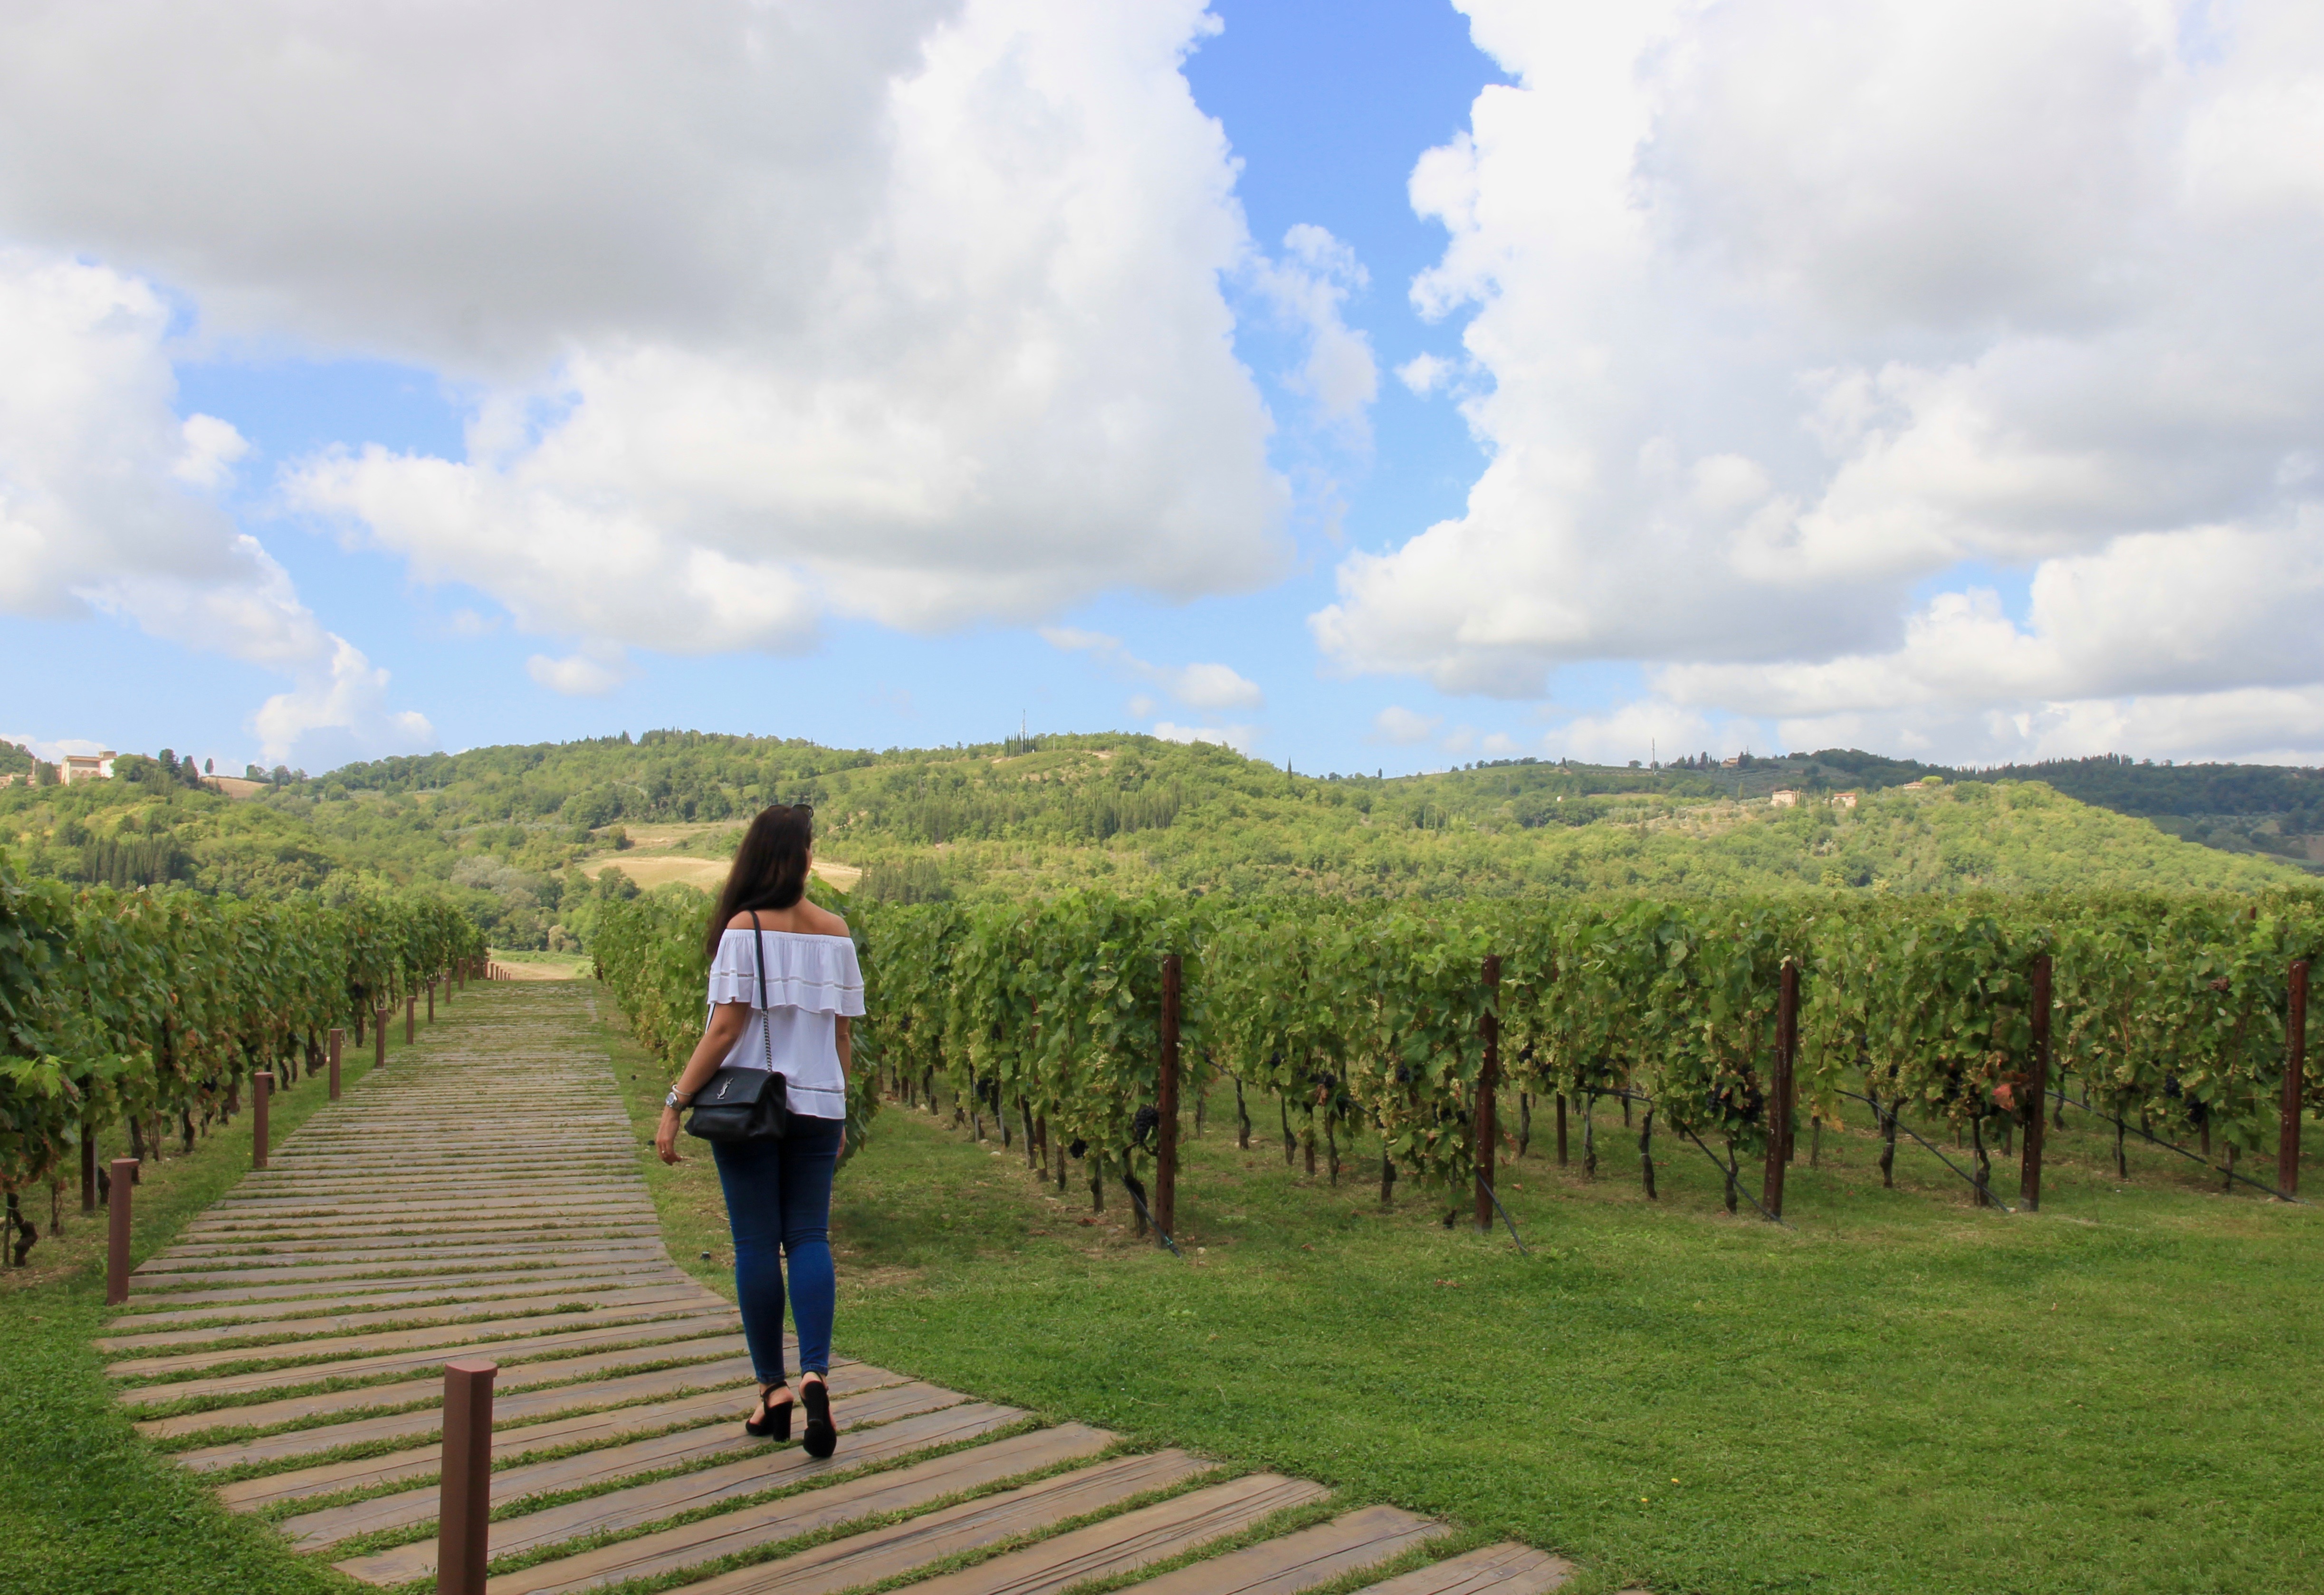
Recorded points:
(535,837)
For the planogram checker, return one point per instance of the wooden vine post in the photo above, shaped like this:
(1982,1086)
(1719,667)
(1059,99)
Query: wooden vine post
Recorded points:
(118,1221)
(379,1040)
(1779,1090)
(2295,1085)
(1166,1132)
(262,1091)
(1486,1130)
(88,1162)
(410,1017)
(463,1506)
(2029,1172)
(338,1038)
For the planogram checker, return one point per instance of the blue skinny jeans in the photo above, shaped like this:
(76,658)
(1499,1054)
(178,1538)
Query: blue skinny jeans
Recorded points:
(779,1207)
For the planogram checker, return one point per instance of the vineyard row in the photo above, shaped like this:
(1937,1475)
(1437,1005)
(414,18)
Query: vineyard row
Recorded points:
(150,1009)
(1728,1022)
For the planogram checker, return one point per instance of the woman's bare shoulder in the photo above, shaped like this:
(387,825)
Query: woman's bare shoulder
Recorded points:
(806,919)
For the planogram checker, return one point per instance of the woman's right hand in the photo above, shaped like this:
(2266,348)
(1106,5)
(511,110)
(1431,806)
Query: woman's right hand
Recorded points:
(666,1136)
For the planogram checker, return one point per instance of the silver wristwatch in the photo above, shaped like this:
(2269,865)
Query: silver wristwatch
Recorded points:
(675,1101)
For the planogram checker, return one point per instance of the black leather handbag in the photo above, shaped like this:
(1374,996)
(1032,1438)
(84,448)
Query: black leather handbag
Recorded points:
(739,1104)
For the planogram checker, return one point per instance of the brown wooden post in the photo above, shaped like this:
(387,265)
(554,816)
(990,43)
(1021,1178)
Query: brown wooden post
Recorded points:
(1560,1129)
(339,1037)
(431,999)
(261,1090)
(1779,1090)
(410,1017)
(87,1164)
(2295,1084)
(116,1241)
(1485,1132)
(1166,1132)
(463,1505)
(379,1040)
(2029,1167)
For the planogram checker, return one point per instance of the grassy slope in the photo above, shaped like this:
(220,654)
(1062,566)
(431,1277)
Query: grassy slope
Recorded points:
(1899,1394)
(90,1509)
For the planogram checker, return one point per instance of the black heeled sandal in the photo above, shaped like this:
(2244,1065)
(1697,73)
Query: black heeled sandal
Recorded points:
(773,1419)
(822,1437)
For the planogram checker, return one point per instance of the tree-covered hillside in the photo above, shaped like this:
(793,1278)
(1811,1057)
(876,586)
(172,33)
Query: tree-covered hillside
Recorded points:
(528,837)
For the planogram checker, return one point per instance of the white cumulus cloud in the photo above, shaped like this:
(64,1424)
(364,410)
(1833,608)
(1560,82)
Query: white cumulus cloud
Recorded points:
(905,309)
(1786,317)
(578,675)
(1208,686)
(1403,726)
(105,505)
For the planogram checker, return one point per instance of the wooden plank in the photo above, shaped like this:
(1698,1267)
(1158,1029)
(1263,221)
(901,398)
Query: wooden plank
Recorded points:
(226,1320)
(499,1262)
(1495,1570)
(470,1332)
(607,1465)
(415,1235)
(1301,1559)
(332,1324)
(882,1397)
(389,1363)
(383,1213)
(644,1504)
(880,1554)
(400,1253)
(558,1371)
(146,1306)
(873,1495)
(1125,1543)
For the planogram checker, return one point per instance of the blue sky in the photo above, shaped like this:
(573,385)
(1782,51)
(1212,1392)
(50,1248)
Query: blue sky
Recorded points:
(1753,465)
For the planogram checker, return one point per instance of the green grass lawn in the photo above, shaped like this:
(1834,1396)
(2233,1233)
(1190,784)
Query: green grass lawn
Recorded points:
(87,1506)
(1899,1393)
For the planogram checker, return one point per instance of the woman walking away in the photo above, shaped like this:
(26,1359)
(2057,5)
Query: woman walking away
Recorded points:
(783,985)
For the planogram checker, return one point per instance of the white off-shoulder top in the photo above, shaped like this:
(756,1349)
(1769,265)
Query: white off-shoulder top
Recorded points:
(811,980)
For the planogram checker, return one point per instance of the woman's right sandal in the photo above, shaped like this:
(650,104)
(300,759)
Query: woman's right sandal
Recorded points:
(774,1419)
(822,1437)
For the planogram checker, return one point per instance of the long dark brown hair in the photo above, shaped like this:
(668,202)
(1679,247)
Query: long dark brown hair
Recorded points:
(769,869)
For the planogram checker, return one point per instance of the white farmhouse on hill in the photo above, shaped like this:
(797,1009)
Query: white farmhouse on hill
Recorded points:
(87,767)
(1786,798)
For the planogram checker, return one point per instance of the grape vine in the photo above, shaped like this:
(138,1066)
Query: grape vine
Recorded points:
(1043,1017)
(150,1006)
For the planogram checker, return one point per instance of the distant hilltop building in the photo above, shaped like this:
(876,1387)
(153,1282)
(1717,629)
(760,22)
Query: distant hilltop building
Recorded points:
(1786,798)
(1843,800)
(87,767)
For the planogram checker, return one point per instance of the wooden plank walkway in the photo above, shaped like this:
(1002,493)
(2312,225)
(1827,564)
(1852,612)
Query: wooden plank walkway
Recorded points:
(483,1196)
